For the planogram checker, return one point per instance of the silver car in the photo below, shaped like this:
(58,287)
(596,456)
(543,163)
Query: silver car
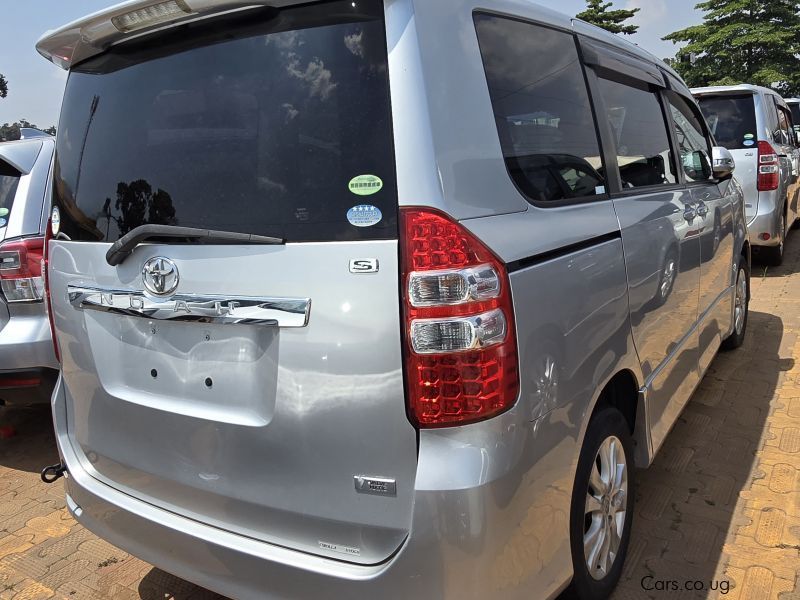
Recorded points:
(28,366)
(369,299)
(755,124)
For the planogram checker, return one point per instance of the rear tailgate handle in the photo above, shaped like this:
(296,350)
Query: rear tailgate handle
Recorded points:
(224,310)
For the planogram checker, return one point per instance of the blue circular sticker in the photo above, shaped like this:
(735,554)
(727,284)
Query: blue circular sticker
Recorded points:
(3,222)
(749,143)
(364,215)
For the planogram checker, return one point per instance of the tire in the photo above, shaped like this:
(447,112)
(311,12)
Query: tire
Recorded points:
(608,431)
(741,302)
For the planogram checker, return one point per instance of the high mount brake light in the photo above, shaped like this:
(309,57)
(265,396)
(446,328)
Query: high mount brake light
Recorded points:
(460,341)
(20,269)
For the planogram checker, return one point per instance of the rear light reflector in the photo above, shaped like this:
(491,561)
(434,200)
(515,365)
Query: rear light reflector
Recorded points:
(461,348)
(768,172)
(20,269)
(19,382)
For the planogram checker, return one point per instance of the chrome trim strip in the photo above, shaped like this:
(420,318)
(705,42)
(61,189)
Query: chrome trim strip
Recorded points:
(225,310)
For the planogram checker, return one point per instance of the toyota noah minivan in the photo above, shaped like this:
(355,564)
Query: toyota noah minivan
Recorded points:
(378,298)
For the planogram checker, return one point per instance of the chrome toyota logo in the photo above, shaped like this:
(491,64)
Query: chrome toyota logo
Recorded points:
(160,276)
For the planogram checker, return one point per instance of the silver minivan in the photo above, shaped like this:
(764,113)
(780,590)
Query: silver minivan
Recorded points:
(378,298)
(28,365)
(755,124)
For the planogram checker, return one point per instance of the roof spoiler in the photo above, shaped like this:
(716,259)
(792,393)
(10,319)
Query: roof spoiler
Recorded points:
(93,34)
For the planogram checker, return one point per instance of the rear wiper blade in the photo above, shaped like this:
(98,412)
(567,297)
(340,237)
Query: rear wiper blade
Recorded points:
(125,245)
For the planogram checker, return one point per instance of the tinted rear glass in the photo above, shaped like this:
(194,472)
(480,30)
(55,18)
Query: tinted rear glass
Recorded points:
(9,179)
(278,125)
(732,120)
(795,108)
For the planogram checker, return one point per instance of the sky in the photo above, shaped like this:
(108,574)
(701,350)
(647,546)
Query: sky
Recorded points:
(36,85)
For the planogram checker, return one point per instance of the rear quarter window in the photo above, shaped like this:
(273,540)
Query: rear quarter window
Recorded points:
(542,110)
(278,124)
(9,180)
(731,119)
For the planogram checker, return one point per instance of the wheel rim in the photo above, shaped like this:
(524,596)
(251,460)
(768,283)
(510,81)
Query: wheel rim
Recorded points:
(669,277)
(740,301)
(606,508)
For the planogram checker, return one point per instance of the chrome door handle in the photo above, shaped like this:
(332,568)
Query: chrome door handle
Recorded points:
(702,210)
(689,213)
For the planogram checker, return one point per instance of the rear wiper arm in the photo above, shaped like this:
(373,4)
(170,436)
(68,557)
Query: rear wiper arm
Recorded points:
(124,246)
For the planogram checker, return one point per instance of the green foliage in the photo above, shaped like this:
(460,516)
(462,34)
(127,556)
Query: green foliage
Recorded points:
(597,12)
(742,41)
(10,131)
(3,86)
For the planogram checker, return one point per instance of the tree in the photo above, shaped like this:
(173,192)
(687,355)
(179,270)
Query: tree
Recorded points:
(10,131)
(742,41)
(3,86)
(598,14)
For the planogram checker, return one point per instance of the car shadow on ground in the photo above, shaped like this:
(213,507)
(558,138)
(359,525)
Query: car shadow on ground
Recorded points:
(33,444)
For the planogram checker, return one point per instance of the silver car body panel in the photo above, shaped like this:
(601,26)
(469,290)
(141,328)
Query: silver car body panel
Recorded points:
(481,510)
(25,341)
(763,209)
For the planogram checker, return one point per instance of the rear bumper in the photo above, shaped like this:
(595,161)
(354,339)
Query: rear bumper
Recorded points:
(25,342)
(480,541)
(766,220)
(28,366)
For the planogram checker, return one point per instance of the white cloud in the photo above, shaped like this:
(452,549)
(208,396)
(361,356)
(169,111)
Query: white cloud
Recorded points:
(650,13)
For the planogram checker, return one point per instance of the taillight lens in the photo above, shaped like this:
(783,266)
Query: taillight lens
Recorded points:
(461,348)
(20,269)
(768,172)
(48,235)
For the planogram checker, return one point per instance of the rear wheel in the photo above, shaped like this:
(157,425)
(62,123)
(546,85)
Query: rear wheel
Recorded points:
(602,506)
(741,306)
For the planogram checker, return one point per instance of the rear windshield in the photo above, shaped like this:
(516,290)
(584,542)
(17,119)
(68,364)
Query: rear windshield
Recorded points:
(795,108)
(276,124)
(732,120)
(9,179)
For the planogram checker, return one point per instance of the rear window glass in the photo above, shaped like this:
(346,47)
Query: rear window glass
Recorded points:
(795,109)
(542,110)
(732,120)
(9,180)
(277,125)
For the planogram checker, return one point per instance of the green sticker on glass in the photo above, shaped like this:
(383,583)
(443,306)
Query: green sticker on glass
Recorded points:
(365,185)
(3,212)
(748,136)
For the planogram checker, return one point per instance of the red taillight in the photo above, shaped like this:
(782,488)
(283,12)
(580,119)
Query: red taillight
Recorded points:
(20,269)
(768,177)
(461,347)
(48,235)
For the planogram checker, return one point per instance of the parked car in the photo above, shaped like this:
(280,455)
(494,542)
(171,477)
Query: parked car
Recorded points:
(28,366)
(382,304)
(755,124)
(794,107)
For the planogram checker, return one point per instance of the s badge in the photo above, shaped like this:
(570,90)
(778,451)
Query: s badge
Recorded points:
(364,265)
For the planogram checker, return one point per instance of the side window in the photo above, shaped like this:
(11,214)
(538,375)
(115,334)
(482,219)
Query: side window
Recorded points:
(785,124)
(693,145)
(9,180)
(542,110)
(639,128)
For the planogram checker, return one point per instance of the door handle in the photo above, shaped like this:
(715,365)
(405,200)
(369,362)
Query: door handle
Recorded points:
(689,213)
(702,209)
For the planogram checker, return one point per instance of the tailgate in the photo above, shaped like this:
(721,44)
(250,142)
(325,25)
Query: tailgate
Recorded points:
(256,388)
